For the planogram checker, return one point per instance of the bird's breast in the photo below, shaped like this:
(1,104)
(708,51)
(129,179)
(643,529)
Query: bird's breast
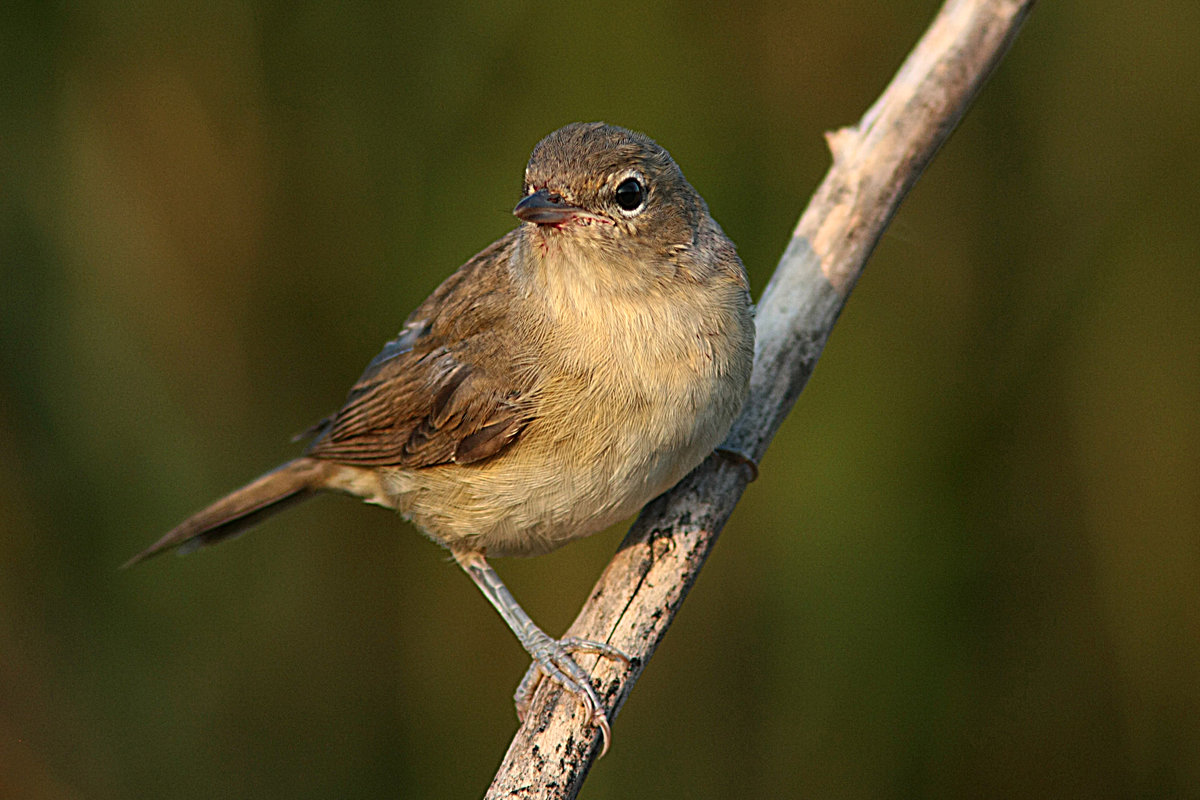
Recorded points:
(633,389)
(645,384)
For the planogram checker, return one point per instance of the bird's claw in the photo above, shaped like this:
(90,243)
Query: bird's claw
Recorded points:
(553,660)
(740,459)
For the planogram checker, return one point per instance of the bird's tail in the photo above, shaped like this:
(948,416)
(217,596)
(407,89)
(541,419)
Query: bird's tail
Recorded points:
(281,487)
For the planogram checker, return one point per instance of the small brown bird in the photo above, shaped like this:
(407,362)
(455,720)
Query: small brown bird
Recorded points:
(559,380)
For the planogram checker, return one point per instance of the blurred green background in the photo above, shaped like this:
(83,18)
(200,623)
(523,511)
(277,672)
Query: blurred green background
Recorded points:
(971,567)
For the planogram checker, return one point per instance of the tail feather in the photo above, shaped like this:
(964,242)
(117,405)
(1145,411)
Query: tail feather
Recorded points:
(241,509)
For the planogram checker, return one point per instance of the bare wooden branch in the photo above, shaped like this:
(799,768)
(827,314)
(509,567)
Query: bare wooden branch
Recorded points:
(875,163)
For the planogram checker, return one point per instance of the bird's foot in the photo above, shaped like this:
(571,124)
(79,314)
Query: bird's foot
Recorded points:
(552,659)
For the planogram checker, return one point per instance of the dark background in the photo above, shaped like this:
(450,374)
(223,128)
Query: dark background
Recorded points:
(971,567)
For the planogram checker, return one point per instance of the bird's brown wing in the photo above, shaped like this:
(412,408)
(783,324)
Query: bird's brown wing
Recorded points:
(449,388)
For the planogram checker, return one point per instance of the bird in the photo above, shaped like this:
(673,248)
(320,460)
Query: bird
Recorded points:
(560,379)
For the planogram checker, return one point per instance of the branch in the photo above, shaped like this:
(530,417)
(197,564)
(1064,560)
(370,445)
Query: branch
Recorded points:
(875,163)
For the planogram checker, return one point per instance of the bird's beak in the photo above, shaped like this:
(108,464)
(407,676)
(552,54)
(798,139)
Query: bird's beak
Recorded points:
(545,207)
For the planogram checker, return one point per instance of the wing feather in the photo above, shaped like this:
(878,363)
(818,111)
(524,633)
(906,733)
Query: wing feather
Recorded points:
(448,389)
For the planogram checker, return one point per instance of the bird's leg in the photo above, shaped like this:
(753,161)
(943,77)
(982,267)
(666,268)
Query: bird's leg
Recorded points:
(550,657)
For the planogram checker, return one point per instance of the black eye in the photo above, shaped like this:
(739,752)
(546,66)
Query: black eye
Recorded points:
(631,195)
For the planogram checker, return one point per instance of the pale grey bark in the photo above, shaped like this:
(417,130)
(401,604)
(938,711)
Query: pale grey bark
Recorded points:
(875,163)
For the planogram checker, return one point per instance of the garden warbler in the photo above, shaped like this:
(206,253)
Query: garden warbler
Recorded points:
(559,380)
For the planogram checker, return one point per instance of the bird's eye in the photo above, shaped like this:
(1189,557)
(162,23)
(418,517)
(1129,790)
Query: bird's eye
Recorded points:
(631,195)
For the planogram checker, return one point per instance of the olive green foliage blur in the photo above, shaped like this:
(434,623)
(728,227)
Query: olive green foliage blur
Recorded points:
(971,567)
